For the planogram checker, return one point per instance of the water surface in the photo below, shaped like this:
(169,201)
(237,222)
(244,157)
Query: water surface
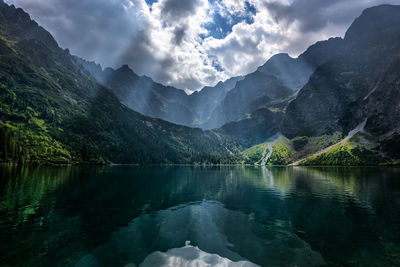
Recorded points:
(268,216)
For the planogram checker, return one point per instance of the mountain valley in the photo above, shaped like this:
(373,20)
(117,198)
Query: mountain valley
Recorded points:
(57,108)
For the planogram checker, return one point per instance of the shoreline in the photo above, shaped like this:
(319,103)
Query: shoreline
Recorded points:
(395,164)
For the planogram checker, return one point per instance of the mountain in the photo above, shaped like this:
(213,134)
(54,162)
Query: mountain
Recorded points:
(255,129)
(382,108)
(53,111)
(270,86)
(347,112)
(144,95)
(255,91)
(357,89)
(141,94)
(333,99)
(207,99)
(319,97)
(273,84)
(292,72)
(264,115)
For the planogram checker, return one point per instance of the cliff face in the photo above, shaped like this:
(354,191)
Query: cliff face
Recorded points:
(333,99)
(383,110)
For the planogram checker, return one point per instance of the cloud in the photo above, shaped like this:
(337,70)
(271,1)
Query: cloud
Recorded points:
(338,12)
(313,20)
(95,29)
(191,43)
(174,10)
(179,33)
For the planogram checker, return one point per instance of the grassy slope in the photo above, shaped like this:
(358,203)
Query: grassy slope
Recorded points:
(253,154)
(353,152)
(359,150)
(282,152)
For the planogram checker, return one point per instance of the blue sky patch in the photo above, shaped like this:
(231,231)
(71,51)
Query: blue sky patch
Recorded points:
(221,26)
(215,63)
(150,2)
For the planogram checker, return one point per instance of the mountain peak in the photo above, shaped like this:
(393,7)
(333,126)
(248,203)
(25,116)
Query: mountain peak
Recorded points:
(125,69)
(17,25)
(273,60)
(374,23)
(280,56)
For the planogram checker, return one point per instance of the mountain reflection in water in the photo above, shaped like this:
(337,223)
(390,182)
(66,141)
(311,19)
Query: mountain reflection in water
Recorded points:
(268,216)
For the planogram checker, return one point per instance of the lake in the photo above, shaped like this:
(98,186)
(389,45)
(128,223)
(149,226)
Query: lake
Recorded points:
(242,216)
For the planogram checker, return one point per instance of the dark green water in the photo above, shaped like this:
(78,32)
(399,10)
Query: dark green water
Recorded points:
(277,216)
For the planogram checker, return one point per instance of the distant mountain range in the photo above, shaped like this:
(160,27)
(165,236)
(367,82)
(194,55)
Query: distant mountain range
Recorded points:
(335,104)
(156,100)
(270,86)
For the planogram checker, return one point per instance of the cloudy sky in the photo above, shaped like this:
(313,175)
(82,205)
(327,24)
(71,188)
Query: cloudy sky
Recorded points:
(191,43)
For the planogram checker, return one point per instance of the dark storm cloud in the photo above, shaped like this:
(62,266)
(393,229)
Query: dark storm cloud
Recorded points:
(94,29)
(138,51)
(315,15)
(103,31)
(318,19)
(179,33)
(308,12)
(174,10)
